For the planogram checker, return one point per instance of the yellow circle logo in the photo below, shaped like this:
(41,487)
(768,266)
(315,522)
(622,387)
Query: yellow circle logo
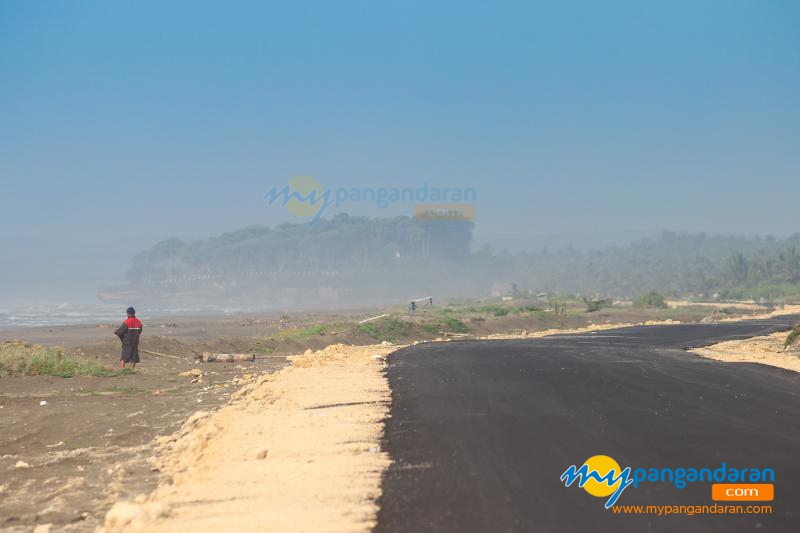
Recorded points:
(602,464)
(305,185)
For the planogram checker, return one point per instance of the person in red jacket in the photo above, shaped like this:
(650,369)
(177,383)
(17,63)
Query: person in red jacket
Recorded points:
(129,333)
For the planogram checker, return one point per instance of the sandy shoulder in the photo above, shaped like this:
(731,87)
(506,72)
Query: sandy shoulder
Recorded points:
(588,329)
(767,350)
(296,450)
(784,310)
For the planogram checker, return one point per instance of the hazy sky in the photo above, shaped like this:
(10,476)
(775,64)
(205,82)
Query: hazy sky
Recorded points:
(123,123)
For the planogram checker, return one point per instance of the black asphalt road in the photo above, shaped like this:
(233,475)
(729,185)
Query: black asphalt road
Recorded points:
(481,431)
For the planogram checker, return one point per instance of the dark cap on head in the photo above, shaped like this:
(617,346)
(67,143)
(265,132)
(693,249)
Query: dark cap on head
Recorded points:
(131,311)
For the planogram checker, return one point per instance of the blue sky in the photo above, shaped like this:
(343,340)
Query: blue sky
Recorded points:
(123,123)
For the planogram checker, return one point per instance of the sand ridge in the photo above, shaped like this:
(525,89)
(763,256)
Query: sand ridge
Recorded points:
(297,450)
(784,310)
(588,329)
(767,350)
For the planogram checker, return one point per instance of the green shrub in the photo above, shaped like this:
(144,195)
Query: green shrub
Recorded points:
(651,299)
(17,358)
(494,309)
(559,308)
(368,328)
(447,325)
(432,327)
(386,329)
(304,333)
(596,305)
(454,325)
(263,349)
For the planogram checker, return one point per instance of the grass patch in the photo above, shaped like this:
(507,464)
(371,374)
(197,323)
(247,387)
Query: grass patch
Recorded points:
(369,328)
(261,348)
(454,325)
(499,310)
(431,327)
(386,329)
(18,358)
(303,334)
(487,309)
(494,309)
(447,325)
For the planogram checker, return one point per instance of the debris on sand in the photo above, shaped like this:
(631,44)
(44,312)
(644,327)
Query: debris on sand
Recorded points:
(243,379)
(208,357)
(667,322)
(22,464)
(193,373)
(129,516)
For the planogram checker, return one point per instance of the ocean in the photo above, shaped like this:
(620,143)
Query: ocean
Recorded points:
(65,314)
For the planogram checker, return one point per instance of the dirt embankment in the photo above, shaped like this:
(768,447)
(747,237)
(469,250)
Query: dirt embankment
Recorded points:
(767,350)
(296,450)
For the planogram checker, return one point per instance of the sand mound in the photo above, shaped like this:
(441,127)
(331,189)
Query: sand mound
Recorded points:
(588,329)
(768,350)
(298,450)
(785,310)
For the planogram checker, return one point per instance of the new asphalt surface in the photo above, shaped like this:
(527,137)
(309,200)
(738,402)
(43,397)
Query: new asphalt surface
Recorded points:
(481,431)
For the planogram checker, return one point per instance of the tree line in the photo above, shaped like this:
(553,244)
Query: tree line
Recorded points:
(430,254)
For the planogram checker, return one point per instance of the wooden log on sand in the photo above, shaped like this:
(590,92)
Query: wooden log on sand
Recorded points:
(208,357)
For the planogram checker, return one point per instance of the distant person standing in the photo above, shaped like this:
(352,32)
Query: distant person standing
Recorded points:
(129,333)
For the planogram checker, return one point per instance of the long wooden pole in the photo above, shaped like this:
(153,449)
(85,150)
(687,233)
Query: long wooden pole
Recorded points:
(163,355)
